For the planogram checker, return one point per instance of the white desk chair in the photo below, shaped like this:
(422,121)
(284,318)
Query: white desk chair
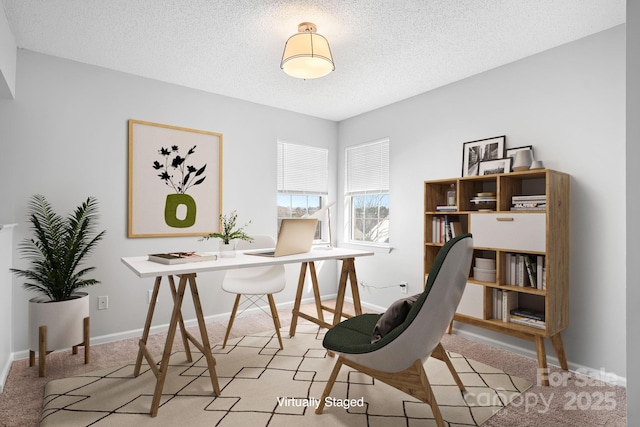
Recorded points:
(254,283)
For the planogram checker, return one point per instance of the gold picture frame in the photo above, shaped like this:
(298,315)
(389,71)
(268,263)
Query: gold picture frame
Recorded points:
(175,180)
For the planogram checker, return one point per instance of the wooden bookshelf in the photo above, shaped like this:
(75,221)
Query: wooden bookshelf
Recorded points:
(503,234)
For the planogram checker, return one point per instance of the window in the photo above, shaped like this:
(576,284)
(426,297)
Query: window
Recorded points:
(303,176)
(367,192)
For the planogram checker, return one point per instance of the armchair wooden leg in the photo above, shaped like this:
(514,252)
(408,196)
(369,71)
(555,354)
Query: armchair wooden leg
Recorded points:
(276,319)
(441,354)
(233,315)
(329,386)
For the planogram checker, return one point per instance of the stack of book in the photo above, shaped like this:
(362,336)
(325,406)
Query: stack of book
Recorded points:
(171,258)
(485,201)
(537,202)
(446,208)
(527,317)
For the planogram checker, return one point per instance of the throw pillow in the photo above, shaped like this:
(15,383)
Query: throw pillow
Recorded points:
(393,317)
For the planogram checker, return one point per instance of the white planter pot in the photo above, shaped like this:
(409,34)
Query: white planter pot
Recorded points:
(64,321)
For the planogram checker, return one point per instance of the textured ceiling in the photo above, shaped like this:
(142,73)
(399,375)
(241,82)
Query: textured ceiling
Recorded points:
(384,51)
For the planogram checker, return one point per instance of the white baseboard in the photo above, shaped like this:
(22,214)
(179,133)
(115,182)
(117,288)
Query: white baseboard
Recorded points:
(4,374)
(135,333)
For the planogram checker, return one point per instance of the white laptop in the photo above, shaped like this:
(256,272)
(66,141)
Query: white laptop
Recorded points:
(295,237)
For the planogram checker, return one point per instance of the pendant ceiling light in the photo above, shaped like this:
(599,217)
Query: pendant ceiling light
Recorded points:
(307,54)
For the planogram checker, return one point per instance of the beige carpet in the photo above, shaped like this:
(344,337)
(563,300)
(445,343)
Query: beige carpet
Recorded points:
(262,385)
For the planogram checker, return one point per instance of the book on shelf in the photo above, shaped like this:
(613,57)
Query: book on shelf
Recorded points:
(531,314)
(529,198)
(528,322)
(531,271)
(446,208)
(540,272)
(509,302)
(528,205)
(171,258)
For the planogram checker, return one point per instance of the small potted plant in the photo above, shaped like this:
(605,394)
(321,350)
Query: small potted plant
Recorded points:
(229,233)
(56,253)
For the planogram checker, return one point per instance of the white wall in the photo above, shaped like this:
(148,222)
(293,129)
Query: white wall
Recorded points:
(569,103)
(633,210)
(66,137)
(7,59)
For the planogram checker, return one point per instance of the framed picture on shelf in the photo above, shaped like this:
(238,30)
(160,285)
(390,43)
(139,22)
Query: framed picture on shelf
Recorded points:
(511,152)
(491,167)
(474,152)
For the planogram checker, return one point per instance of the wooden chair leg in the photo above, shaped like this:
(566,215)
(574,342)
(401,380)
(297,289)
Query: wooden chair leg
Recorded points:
(441,354)
(42,351)
(276,319)
(431,398)
(329,386)
(233,315)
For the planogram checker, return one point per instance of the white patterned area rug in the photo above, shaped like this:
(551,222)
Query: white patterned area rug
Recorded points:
(265,386)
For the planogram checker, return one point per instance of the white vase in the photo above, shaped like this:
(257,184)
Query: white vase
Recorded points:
(523,160)
(227,250)
(64,321)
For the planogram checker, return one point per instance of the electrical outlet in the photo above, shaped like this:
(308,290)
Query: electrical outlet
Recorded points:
(103,303)
(404,287)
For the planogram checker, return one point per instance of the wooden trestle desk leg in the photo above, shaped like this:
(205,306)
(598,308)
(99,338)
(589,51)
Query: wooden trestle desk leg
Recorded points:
(348,273)
(147,326)
(176,321)
(183,331)
(161,374)
(316,291)
(205,346)
(296,304)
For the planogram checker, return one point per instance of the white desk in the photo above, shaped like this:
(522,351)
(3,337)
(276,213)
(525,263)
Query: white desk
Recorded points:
(143,268)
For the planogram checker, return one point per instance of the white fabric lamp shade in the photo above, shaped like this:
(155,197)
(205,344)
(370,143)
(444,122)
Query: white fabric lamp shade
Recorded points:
(307,54)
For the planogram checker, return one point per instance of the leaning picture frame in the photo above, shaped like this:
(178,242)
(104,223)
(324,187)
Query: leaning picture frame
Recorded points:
(492,167)
(474,152)
(175,180)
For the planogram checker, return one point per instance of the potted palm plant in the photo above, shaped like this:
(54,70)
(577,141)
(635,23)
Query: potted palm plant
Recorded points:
(229,233)
(56,253)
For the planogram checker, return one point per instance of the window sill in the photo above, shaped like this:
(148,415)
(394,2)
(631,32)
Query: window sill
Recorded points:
(378,248)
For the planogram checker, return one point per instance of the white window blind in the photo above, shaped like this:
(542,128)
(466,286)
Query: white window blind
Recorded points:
(302,169)
(368,168)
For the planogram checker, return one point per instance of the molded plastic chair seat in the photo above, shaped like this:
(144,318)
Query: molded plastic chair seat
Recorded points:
(254,283)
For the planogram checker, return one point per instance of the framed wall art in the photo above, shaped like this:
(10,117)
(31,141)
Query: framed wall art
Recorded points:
(175,180)
(474,152)
(490,167)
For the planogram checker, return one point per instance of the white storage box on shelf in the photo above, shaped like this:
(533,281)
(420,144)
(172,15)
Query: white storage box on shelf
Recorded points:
(484,275)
